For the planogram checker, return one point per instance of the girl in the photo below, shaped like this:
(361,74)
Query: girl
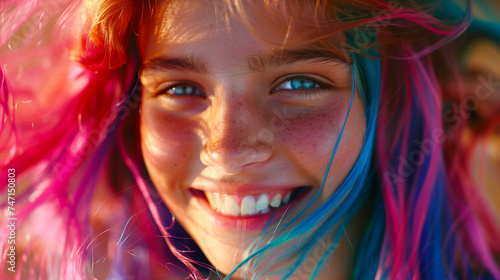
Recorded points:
(287,139)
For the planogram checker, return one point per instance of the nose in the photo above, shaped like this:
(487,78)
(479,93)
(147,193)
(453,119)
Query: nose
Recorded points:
(234,139)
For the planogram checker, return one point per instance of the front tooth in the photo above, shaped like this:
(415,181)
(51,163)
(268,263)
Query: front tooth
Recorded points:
(219,202)
(231,207)
(248,206)
(262,202)
(276,201)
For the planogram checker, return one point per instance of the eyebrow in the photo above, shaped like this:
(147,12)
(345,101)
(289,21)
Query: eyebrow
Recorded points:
(191,63)
(256,63)
(263,61)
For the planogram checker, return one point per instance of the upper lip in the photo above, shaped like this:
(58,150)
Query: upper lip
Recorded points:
(244,189)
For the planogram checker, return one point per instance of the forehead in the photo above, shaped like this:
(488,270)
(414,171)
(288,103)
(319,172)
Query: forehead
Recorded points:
(184,25)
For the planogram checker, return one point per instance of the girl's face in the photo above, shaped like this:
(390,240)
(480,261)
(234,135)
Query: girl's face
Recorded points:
(233,125)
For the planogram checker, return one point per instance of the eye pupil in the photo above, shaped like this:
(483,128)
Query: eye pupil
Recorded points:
(302,84)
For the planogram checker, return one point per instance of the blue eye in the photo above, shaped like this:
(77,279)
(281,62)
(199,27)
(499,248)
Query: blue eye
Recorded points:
(298,83)
(302,88)
(183,90)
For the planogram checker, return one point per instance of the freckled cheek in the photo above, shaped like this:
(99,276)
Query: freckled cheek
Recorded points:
(169,144)
(313,133)
(310,137)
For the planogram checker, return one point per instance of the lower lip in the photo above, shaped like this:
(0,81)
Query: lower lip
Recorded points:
(248,223)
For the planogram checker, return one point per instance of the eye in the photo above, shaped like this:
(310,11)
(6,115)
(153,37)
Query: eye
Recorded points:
(178,90)
(181,96)
(298,83)
(302,88)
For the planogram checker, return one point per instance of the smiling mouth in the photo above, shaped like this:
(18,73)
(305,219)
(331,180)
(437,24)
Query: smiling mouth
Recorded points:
(249,205)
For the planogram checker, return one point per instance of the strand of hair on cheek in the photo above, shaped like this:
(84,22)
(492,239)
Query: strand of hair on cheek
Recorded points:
(195,273)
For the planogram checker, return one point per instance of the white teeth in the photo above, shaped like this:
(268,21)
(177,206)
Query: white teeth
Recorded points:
(262,202)
(219,202)
(287,198)
(231,206)
(276,201)
(248,206)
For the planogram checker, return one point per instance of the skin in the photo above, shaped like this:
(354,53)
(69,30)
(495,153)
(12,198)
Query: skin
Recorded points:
(233,133)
